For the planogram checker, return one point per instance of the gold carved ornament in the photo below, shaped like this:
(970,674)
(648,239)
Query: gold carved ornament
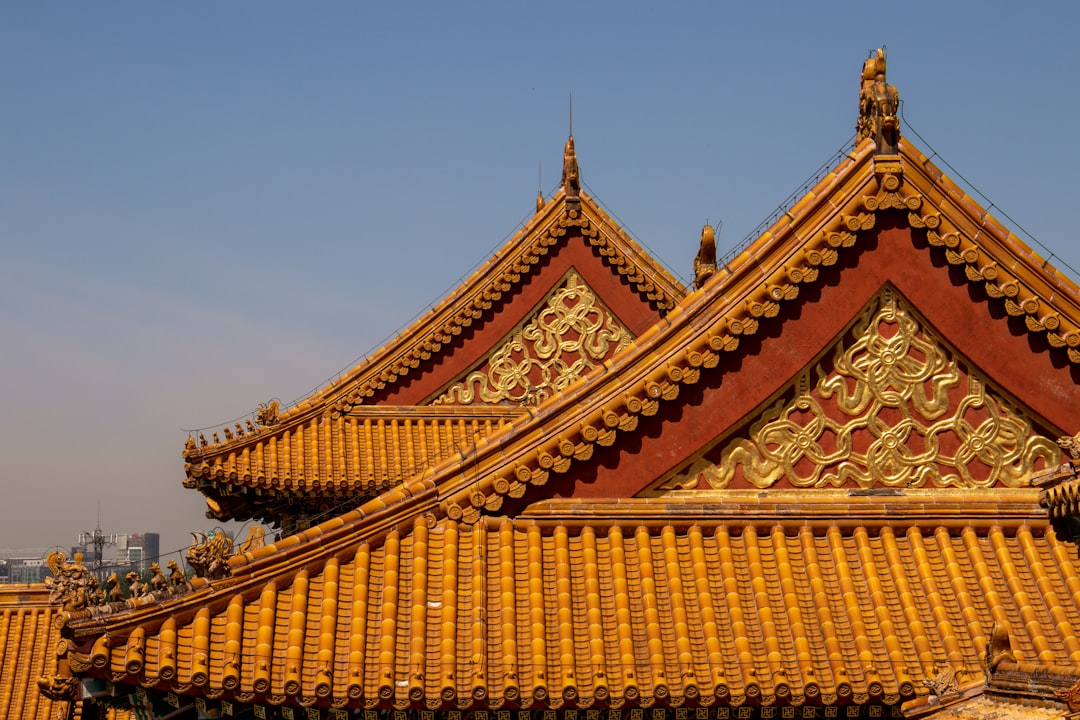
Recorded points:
(909,418)
(570,335)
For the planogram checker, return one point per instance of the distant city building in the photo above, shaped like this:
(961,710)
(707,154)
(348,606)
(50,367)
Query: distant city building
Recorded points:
(131,551)
(137,550)
(23,565)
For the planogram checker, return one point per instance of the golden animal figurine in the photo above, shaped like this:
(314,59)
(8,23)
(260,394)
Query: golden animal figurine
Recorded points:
(176,576)
(943,682)
(158,581)
(71,584)
(136,587)
(209,556)
(878,105)
(59,688)
(267,413)
(228,434)
(113,593)
(250,426)
(1070,696)
(203,442)
(95,593)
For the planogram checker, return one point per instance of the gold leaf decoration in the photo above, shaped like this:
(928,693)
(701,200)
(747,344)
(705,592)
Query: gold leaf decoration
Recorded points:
(897,408)
(571,334)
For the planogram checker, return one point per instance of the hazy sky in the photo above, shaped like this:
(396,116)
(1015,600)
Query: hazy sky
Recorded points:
(204,206)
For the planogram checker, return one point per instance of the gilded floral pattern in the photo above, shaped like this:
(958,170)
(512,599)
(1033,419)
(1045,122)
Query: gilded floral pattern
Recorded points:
(570,335)
(898,408)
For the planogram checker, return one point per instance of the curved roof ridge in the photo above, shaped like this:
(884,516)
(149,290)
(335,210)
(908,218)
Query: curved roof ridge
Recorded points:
(522,445)
(983,233)
(415,345)
(711,320)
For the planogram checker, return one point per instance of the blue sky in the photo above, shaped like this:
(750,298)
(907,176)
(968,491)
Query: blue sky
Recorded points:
(203,206)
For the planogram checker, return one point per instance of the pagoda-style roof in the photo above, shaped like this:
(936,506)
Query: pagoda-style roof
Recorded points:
(810,482)
(571,277)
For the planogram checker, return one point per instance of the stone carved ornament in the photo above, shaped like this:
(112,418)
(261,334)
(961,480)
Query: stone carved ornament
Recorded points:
(896,409)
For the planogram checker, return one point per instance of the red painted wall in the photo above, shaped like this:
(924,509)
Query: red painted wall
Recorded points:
(1019,362)
(476,341)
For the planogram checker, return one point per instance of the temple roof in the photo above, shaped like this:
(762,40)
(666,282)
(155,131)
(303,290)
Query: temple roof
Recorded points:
(323,446)
(526,569)
(28,643)
(604,607)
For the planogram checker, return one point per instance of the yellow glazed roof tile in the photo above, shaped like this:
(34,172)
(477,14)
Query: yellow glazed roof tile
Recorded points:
(28,641)
(442,614)
(427,597)
(417,347)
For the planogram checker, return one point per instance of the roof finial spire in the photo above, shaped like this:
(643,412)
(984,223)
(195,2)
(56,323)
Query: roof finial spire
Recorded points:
(878,105)
(571,180)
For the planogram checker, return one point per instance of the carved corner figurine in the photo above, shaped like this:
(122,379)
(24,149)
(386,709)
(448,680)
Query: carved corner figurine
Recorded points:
(158,582)
(256,539)
(71,584)
(571,178)
(113,593)
(136,587)
(266,415)
(1070,445)
(209,557)
(705,260)
(878,105)
(177,580)
(1070,696)
(59,688)
(96,594)
(943,683)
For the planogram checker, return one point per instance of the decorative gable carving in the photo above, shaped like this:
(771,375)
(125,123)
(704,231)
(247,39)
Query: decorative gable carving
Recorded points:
(571,334)
(890,405)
